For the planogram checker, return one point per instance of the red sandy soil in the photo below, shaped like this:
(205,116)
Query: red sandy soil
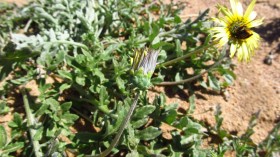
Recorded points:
(257,87)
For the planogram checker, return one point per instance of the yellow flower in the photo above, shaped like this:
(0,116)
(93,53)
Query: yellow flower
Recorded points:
(236,29)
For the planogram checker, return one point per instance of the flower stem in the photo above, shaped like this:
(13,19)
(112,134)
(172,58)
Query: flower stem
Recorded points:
(31,122)
(173,61)
(194,77)
(121,129)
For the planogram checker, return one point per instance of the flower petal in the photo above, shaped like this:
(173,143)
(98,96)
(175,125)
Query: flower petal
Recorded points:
(250,9)
(232,50)
(255,23)
(239,9)
(252,16)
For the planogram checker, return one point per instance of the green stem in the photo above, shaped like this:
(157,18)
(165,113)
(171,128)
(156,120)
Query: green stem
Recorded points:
(31,122)
(69,43)
(176,29)
(194,77)
(121,129)
(173,61)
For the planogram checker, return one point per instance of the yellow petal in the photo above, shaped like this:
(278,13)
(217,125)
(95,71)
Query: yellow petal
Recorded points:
(239,53)
(233,5)
(239,9)
(245,52)
(255,23)
(232,50)
(252,16)
(223,41)
(250,8)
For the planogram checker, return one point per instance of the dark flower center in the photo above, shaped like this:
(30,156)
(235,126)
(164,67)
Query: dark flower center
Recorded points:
(239,30)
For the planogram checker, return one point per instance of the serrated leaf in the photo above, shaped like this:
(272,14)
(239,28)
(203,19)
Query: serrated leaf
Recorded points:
(149,133)
(3,136)
(144,111)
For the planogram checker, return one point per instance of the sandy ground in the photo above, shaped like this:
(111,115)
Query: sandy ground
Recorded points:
(257,87)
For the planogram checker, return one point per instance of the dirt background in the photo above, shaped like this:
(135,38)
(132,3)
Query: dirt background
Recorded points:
(257,87)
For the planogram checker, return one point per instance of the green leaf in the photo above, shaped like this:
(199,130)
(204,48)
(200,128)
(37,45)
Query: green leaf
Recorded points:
(39,134)
(120,83)
(3,108)
(103,96)
(12,124)
(155,41)
(66,106)
(64,87)
(3,136)
(54,104)
(177,19)
(192,104)
(156,80)
(121,112)
(65,74)
(155,32)
(133,154)
(100,75)
(80,80)
(17,119)
(170,116)
(43,108)
(87,137)
(69,118)
(139,123)
(144,111)
(13,147)
(178,51)
(149,133)
(213,82)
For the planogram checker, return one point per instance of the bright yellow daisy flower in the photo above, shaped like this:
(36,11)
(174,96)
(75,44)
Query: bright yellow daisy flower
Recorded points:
(236,29)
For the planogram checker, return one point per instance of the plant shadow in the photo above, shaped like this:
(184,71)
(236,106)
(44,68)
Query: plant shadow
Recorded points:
(270,32)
